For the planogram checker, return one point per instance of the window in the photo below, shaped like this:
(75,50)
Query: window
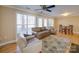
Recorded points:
(40,22)
(31,23)
(50,22)
(25,23)
(45,22)
(19,23)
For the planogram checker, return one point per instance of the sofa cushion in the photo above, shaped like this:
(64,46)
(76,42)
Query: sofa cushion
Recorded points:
(36,29)
(30,37)
(42,34)
(43,28)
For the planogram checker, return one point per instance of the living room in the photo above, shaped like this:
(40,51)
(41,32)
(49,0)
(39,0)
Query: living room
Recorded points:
(17,21)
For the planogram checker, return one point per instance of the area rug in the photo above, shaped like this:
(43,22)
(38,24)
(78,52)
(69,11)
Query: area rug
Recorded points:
(54,44)
(74,48)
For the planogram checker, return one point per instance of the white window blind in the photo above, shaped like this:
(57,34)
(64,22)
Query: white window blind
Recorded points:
(40,22)
(25,23)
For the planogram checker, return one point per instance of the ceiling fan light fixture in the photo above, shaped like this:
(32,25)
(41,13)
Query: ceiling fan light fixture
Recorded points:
(65,14)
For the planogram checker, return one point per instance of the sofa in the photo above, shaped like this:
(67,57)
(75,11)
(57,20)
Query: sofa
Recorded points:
(23,46)
(42,32)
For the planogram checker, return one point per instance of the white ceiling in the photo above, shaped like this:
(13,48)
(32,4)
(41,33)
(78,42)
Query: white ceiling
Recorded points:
(56,11)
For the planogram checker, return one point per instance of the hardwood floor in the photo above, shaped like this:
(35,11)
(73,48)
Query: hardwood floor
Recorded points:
(74,38)
(9,48)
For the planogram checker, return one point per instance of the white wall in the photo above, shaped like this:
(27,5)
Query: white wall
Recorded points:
(0,20)
(8,23)
(71,20)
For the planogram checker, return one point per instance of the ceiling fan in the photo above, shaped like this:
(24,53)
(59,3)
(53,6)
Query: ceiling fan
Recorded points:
(46,8)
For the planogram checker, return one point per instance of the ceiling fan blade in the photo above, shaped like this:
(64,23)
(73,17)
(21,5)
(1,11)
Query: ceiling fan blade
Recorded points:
(51,6)
(48,10)
(38,9)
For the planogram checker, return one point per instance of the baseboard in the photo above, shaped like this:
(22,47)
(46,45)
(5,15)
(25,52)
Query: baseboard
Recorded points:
(12,41)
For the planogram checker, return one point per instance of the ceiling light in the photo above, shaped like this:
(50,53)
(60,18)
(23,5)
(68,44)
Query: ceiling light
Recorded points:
(65,14)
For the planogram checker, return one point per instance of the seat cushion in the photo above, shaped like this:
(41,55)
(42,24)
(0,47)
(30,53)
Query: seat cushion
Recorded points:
(30,37)
(43,34)
(36,29)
